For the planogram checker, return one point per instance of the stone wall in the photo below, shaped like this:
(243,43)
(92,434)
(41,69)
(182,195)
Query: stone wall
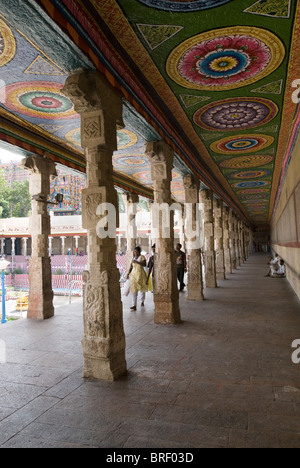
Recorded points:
(285,225)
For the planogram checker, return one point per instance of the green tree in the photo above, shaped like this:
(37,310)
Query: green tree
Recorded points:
(15,201)
(4,203)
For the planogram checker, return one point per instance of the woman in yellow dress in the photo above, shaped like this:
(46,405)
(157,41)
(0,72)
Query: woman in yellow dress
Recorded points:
(138,277)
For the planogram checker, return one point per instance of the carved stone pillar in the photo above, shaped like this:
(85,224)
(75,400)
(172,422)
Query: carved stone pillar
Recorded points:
(192,232)
(238,242)
(2,245)
(63,247)
(232,240)
(166,296)
(219,247)
(100,107)
(24,246)
(209,239)
(40,303)
(130,201)
(226,240)
(50,245)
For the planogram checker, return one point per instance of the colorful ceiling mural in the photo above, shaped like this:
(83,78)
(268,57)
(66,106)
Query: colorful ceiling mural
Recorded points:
(212,77)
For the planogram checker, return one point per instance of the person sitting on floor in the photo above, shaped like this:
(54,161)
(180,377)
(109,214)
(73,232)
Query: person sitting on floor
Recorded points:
(277,272)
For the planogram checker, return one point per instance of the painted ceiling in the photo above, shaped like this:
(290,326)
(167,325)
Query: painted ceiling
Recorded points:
(214,78)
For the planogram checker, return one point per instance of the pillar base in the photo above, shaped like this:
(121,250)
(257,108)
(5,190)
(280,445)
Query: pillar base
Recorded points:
(40,303)
(101,367)
(166,312)
(195,292)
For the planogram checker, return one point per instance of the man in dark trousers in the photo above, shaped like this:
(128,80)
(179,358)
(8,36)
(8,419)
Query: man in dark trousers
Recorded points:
(181,265)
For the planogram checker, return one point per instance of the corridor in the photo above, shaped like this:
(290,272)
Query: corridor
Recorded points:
(224,377)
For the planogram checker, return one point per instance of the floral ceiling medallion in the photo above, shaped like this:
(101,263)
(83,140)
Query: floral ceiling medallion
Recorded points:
(226,58)
(183,6)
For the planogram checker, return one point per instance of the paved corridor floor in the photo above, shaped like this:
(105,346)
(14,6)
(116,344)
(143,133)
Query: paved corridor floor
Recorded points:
(222,378)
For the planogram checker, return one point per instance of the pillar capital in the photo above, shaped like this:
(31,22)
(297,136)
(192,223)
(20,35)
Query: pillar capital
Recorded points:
(191,186)
(99,105)
(161,158)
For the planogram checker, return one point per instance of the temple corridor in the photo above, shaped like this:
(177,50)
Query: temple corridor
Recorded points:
(224,377)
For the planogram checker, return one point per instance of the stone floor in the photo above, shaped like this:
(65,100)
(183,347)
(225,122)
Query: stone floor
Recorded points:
(222,378)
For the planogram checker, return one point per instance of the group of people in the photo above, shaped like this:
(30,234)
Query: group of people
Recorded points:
(277,267)
(141,281)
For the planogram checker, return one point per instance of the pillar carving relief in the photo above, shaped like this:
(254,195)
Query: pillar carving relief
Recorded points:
(100,107)
(219,247)
(232,240)
(40,302)
(166,296)
(195,280)
(226,240)
(209,239)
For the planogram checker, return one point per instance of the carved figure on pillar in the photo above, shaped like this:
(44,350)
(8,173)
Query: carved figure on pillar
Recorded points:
(166,296)
(195,281)
(209,239)
(40,302)
(100,107)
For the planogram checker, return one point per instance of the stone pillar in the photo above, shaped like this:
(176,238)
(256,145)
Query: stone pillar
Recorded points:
(195,281)
(24,246)
(238,241)
(166,296)
(76,242)
(2,245)
(63,249)
(13,246)
(226,240)
(130,201)
(219,246)
(50,245)
(100,108)
(40,304)
(232,240)
(182,237)
(209,239)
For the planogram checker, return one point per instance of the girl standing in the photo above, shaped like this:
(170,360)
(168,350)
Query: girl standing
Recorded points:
(138,277)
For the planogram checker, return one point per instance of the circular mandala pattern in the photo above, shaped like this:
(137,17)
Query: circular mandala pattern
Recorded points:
(39,99)
(130,162)
(183,5)
(7,44)
(250,174)
(126,139)
(74,136)
(244,162)
(252,184)
(235,114)
(242,144)
(225,58)
(143,176)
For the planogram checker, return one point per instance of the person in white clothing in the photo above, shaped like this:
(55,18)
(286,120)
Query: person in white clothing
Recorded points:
(274,265)
(278,272)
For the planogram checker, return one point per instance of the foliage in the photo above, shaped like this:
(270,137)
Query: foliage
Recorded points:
(15,200)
